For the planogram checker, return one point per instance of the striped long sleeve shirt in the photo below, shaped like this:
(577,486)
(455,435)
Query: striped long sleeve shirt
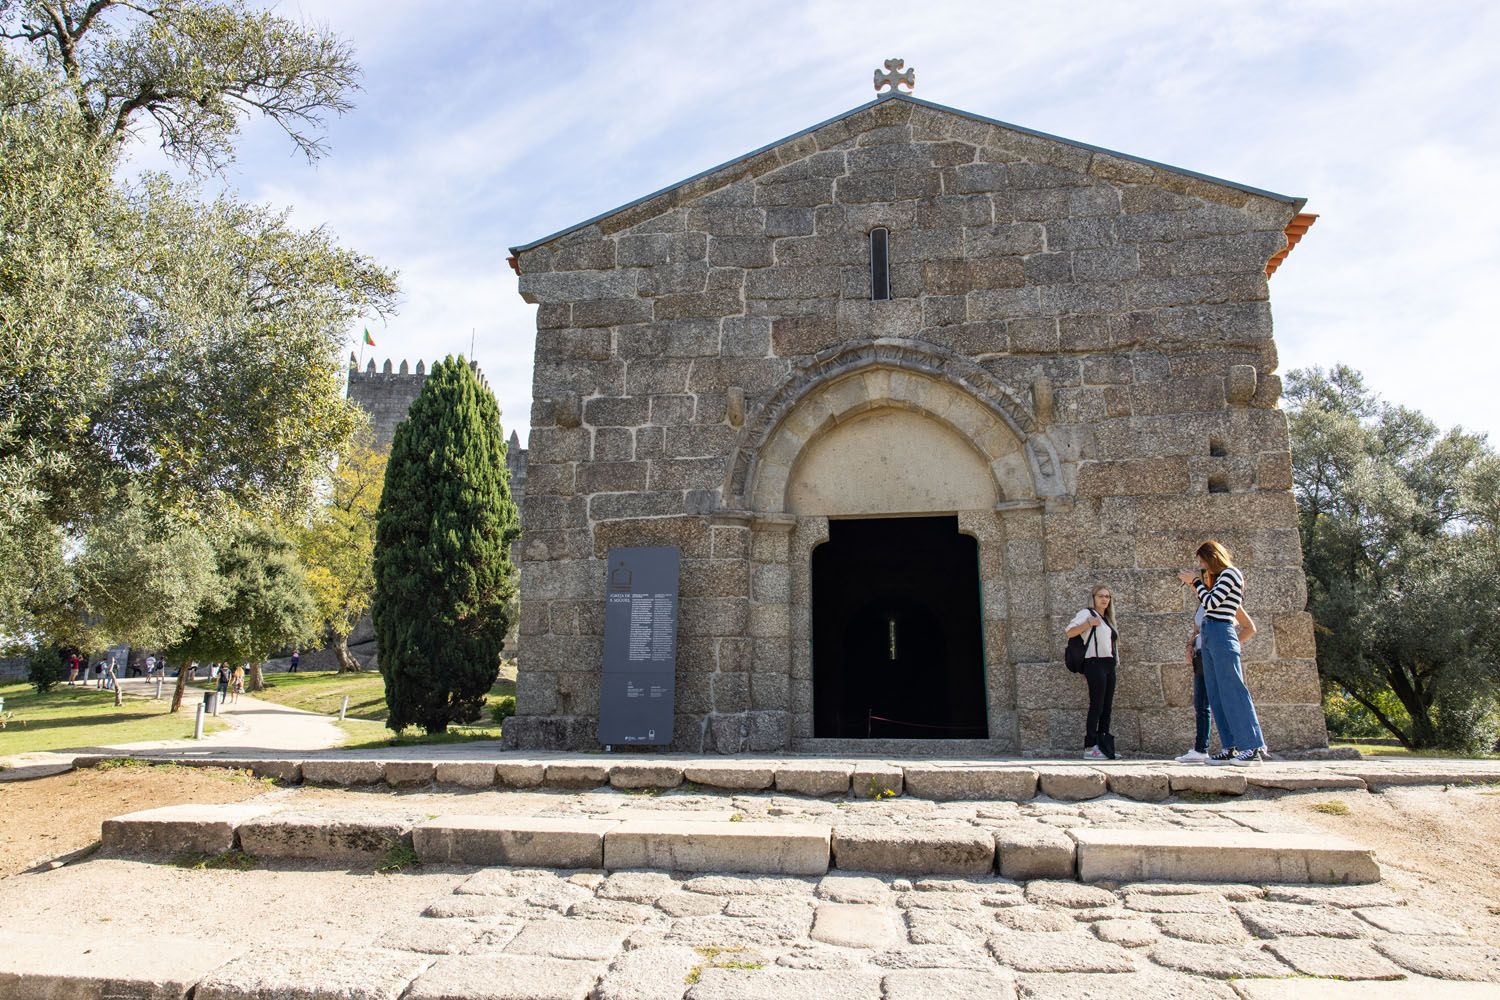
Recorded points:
(1224,599)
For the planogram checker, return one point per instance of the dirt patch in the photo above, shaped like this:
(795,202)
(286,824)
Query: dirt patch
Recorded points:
(1435,845)
(48,817)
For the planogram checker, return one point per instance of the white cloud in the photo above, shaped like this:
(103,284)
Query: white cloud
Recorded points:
(488,125)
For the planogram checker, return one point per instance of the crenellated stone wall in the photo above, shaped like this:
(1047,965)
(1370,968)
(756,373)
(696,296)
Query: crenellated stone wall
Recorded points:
(1088,336)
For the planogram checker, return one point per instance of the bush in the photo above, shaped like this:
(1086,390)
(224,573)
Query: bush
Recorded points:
(1348,719)
(46,669)
(503,708)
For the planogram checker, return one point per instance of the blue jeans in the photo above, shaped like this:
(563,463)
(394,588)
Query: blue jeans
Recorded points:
(1224,680)
(1200,711)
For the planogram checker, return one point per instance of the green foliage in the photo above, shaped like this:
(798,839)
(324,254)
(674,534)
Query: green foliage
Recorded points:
(196,68)
(337,544)
(1333,807)
(162,352)
(1348,719)
(233,860)
(264,602)
(1400,539)
(398,857)
(443,579)
(143,578)
(46,669)
(502,708)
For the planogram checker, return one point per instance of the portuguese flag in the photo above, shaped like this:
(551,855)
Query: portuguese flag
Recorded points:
(369,339)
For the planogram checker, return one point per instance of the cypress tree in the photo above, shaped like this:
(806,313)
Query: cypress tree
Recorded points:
(443,580)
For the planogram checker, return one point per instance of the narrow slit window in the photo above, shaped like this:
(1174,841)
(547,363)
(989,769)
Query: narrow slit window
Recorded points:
(891,638)
(880,264)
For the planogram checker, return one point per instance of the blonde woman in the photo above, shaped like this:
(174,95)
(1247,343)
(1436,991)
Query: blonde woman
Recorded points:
(1220,587)
(1096,625)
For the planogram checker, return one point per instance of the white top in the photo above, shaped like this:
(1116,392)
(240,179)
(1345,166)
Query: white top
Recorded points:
(1103,642)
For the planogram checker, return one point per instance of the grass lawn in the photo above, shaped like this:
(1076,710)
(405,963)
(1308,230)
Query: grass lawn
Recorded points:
(365,721)
(72,718)
(365,735)
(1378,750)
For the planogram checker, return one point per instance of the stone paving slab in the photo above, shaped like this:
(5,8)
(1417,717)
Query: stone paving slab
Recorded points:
(506,977)
(1331,989)
(100,967)
(311,973)
(1209,855)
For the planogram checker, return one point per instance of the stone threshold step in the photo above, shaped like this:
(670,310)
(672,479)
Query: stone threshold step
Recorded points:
(721,845)
(1221,856)
(942,782)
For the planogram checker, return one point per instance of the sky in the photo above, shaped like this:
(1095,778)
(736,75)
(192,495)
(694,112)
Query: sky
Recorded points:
(486,125)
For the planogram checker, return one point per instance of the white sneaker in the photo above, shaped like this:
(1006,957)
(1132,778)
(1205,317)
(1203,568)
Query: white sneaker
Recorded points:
(1193,757)
(1093,753)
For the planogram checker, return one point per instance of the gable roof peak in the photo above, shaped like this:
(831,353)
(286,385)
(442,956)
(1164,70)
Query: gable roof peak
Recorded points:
(732,170)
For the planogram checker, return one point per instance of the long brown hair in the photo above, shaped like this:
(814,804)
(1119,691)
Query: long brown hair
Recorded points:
(1109,612)
(1217,557)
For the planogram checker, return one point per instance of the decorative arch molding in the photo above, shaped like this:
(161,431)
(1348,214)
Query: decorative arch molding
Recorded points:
(939,383)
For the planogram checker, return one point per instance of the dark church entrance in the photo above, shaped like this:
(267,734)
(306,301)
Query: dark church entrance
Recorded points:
(897,646)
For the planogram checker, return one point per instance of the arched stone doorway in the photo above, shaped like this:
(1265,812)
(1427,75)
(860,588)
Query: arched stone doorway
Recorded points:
(865,440)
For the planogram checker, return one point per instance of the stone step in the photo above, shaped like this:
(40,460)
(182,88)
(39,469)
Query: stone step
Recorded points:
(713,842)
(318,836)
(182,829)
(699,846)
(1220,856)
(519,841)
(1149,781)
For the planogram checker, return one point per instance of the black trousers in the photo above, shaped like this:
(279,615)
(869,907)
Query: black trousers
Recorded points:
(1100,674)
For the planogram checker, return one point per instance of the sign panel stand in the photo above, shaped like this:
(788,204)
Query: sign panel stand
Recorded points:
(640,647)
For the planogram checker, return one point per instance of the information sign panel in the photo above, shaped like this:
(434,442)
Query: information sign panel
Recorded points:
(640,646)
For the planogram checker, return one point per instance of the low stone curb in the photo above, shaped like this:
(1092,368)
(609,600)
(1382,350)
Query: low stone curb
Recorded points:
(717,843)
(935,780)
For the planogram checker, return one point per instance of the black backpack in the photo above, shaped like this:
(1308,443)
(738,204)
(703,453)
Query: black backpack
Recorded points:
(1073,655)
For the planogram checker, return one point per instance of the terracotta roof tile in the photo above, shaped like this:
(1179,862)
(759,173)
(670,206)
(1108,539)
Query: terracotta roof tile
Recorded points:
(1295,230)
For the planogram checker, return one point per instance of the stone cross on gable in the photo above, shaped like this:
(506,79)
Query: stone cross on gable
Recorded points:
(894,75)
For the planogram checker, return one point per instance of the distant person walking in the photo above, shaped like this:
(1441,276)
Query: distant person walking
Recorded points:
(1220,588)
(151,666)
(1096,625)
(296,662)
(221,681)
(236,685)
(73,664)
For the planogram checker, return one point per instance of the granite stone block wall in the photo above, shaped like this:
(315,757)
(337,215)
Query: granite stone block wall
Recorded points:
(1088,335)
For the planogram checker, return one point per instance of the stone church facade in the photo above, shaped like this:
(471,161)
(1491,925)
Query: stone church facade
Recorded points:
(901,388)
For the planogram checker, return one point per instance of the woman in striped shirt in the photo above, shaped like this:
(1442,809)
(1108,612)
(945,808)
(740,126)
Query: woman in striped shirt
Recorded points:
(1221,591)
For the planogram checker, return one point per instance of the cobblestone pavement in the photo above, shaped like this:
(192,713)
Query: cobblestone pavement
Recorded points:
(451,933)
(507,934)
